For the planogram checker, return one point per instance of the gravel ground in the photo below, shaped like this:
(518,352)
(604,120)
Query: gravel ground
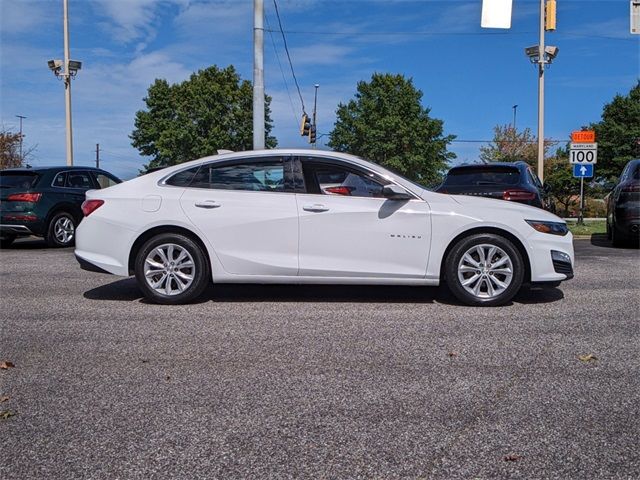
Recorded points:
(317,382)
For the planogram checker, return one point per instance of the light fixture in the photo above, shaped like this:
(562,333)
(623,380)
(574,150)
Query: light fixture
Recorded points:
(55,66)
(551,52)
(74,66)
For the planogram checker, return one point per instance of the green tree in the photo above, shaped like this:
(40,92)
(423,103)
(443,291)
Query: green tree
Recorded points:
(386,123)
(9,149)
(510,145)
(618,134)
(211,110)
(559,179)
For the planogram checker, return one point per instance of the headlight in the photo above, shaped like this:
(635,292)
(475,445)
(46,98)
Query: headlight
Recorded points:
(554,228)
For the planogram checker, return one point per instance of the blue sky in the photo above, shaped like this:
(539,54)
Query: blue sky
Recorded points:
(470,77)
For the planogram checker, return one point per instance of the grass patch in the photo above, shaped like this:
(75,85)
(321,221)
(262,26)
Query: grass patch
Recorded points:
(589,228)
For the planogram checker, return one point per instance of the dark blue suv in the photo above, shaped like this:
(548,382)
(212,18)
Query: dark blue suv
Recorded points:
(515,181)
(46,201)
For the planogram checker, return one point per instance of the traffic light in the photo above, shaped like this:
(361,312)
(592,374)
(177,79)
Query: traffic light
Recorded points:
(550,15)
(312,134)
(305,126)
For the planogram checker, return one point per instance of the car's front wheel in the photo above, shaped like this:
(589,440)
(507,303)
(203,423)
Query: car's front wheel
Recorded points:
(484,270)
(171,269)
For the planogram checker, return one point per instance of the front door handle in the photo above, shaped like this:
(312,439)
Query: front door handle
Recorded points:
(316,207)
(208,204)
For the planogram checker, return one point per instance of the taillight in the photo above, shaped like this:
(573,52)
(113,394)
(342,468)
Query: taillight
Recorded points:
(517,195)
(90,206)
(339,190)
(24,197)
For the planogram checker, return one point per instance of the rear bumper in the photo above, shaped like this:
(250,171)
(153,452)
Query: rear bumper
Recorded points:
(90,267)
(21,230)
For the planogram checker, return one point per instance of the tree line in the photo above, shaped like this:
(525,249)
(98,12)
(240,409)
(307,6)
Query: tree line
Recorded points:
(384,122)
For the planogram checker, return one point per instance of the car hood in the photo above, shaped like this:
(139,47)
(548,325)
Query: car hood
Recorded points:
(494,208)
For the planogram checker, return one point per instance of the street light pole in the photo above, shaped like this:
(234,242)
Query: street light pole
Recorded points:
(515,108)
(258,75)
(21,117)
(541,66)
(67,83)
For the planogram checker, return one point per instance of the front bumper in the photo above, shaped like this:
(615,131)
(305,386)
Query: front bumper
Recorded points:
(547,266)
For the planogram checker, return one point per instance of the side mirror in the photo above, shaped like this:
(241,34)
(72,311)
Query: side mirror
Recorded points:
(394,192)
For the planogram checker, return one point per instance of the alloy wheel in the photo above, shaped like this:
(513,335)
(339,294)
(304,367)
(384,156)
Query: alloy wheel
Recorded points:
(169,269)
(64,230)
(485,271)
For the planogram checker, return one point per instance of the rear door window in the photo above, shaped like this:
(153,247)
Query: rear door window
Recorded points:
(268,175)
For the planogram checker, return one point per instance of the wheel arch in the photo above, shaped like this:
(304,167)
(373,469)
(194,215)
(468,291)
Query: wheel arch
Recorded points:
(143,237)
(494,230)
(64,207)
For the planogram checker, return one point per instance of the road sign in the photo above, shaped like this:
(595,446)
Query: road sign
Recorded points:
(582,153)
(583,136)
(583,171)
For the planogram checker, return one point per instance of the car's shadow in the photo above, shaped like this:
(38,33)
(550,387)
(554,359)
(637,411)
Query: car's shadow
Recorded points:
(127,290)
(27,243)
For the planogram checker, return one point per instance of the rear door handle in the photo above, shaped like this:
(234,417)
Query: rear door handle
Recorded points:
(315,208)
(208,204)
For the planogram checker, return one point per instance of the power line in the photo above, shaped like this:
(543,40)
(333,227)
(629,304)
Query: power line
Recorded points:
(286,48)
(450,34)
(284,80)
(547,140)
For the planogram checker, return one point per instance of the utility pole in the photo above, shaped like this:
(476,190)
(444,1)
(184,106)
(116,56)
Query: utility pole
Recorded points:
(97,155)
(541,65)
(67,83)
(21,117)
(258,75)
(315,111)
(515,109)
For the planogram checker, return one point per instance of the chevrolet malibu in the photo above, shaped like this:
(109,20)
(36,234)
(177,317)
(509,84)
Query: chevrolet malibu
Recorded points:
(314,217)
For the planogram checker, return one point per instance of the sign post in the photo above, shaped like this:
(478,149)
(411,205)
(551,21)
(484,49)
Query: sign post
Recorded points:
(583,155)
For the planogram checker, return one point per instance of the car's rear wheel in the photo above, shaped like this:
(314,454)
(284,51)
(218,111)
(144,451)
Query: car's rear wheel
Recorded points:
(61,231)
(171,269)
(6,241)
(484,270)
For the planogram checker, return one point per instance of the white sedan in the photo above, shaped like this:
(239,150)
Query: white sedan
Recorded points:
(301,216)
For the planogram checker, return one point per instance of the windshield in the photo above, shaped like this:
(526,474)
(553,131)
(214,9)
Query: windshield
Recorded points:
(18,179)
(483,176)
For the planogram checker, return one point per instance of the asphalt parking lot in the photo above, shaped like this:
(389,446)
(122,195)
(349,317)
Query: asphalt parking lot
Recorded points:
(317,382)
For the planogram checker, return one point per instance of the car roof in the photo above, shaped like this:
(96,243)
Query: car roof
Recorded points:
(48,169)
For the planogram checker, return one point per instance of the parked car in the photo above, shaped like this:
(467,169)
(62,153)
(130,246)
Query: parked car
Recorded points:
(623,207)
(268,217)
(46,201)
(515,181)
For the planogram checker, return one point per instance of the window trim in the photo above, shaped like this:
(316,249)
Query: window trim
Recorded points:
(88,172)
(287,170)
(358,169)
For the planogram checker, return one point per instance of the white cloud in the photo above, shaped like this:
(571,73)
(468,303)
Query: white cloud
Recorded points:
(24,16)
(133,19)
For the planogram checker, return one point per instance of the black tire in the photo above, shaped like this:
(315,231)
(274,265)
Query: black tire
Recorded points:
(61,231)
(487,279)
(6,241)
(618,239)
(200,272)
